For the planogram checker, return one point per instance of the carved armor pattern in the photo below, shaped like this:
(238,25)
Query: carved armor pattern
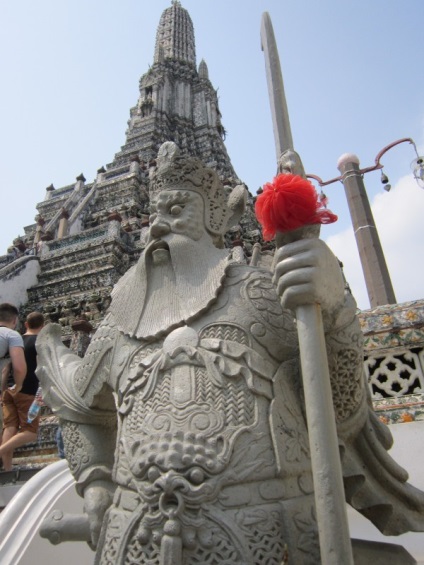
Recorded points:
(158,426)
(346,382)
(110,549)
(183,407)
(308,542)
(144,351)
(139,550)
(226,332)
(136,418)
(235,401)
(260,291)
(77,447)
(223,551)
(263,529)
(259,535)
(141,554)
(239,404)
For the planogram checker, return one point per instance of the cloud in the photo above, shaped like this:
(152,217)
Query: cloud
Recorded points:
(399,217)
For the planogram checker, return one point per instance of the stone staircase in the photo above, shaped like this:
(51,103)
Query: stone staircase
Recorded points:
(30,458)
(77,276)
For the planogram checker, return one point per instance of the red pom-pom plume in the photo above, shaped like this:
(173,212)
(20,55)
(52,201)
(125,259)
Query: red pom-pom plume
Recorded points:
(288,203)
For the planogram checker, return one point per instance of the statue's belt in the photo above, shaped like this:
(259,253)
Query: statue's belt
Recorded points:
(249,493)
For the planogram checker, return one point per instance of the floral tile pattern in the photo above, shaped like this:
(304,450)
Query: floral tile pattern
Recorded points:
(393,325)
(402,409)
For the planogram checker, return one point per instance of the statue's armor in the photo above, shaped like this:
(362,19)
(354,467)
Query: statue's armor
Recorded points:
(212,459)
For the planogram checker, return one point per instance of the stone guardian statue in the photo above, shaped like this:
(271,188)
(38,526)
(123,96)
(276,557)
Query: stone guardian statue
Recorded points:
(184,424)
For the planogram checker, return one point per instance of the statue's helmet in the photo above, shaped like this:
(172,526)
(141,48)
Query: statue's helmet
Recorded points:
(175,171)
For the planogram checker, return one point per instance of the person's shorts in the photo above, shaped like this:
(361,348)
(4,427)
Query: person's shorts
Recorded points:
(15,412)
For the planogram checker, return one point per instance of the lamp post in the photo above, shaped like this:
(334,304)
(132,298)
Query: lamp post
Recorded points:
(376,274)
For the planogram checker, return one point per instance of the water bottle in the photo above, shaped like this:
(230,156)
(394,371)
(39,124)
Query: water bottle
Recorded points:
(35,407)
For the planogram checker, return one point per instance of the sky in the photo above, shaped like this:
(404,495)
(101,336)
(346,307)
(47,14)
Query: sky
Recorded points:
(353,80)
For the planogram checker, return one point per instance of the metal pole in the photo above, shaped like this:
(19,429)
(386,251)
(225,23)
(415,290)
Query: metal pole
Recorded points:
(377,277)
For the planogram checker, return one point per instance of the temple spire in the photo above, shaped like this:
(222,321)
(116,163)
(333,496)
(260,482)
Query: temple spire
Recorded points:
(175,36)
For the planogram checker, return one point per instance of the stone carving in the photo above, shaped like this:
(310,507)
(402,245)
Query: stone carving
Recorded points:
(68,312)
(184,423)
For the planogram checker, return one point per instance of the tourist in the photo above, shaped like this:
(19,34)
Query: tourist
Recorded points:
(17,431)
(11,346)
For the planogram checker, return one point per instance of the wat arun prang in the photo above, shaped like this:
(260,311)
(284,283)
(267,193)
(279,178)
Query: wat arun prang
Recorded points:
(87,235)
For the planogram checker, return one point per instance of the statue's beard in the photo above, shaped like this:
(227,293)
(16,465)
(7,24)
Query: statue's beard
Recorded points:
(175,279)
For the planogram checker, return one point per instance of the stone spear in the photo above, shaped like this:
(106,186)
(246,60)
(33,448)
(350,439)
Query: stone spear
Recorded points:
(334,538)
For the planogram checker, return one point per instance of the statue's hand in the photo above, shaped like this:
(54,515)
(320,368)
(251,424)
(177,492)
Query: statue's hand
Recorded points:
(307,272)
(98,496)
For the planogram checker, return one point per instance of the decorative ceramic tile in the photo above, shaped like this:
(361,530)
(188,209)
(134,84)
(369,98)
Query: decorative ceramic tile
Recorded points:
(402,409)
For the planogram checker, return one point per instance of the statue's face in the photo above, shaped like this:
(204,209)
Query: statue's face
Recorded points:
(178,212)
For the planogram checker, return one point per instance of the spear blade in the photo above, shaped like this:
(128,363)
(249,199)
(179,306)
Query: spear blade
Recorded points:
(277,98)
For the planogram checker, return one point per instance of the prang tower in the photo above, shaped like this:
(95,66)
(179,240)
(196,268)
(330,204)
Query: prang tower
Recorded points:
(88,234)
(177,101)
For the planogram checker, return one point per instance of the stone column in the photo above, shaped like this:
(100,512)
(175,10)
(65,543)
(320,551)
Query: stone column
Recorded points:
(39,229)
(135,165)
(376,273)
(63,224)
(42,247)
(114,227)
(80,182)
